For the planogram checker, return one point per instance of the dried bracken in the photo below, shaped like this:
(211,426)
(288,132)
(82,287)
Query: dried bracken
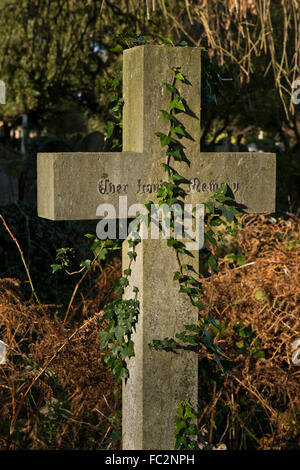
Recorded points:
(55,393)
(54,390)
(265,293)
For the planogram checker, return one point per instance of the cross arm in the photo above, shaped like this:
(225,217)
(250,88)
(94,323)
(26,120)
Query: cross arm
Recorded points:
(72,185)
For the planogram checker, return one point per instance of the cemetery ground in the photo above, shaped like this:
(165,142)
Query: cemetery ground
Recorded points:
(71,401)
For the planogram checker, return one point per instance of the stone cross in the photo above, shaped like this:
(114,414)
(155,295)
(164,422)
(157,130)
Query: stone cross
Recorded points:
(72,185)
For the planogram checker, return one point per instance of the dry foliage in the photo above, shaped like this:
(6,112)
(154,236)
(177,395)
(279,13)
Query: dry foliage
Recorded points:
(56,394)
(265,293)
(54,362)
(240,30)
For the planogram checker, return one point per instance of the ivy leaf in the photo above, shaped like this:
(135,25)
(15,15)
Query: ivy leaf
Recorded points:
(114,83)
(228,212)
(130,348)
(109,130)
(115,348)
(116,108)
(198,304)
(177,276)
(213,263)
(55,267)
(102,255)
(165,167)
(132,255)
(185,289)
(210,206)
(193,328)
(123,281)
(179,76)
(177,103)
(220,194)
(216,222)
(164,139)
(191,430)
(119,290)
(62,251)
(176,176)
(162,192)
(87,264)
(170,88)
(166,116)
(259,354)
(166,40)
(120,371)
(189,413)
(117,48)
(175,152)
(105,337)
(177,129)
(119,332)
(180,425)
(240,259)
(209,238)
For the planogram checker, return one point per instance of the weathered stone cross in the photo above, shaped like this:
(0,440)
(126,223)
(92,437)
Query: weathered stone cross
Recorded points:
(72,185)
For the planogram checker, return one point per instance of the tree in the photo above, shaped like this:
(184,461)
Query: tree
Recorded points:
(54,55)
(57,52)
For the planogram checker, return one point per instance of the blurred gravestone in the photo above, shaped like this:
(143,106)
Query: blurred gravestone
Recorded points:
(2,92)
(28,176)
(11,164)
(92,142)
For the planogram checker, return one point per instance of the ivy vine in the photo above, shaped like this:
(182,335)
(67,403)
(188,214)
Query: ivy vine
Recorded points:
(220,210)
(121,315)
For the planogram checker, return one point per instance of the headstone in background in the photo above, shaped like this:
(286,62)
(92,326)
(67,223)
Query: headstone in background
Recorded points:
(92,142)
(24,138)
(11,165)
(2,92)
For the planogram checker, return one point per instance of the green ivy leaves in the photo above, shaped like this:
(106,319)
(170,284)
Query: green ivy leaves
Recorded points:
(116,338)
(114,125)
(122,316)
(63,258)
(248,343)
(220,212)
(165,139)
(185,427)
(176,103)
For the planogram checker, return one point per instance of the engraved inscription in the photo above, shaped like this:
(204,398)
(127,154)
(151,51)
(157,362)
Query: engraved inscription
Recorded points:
(212,186)
(105,186)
